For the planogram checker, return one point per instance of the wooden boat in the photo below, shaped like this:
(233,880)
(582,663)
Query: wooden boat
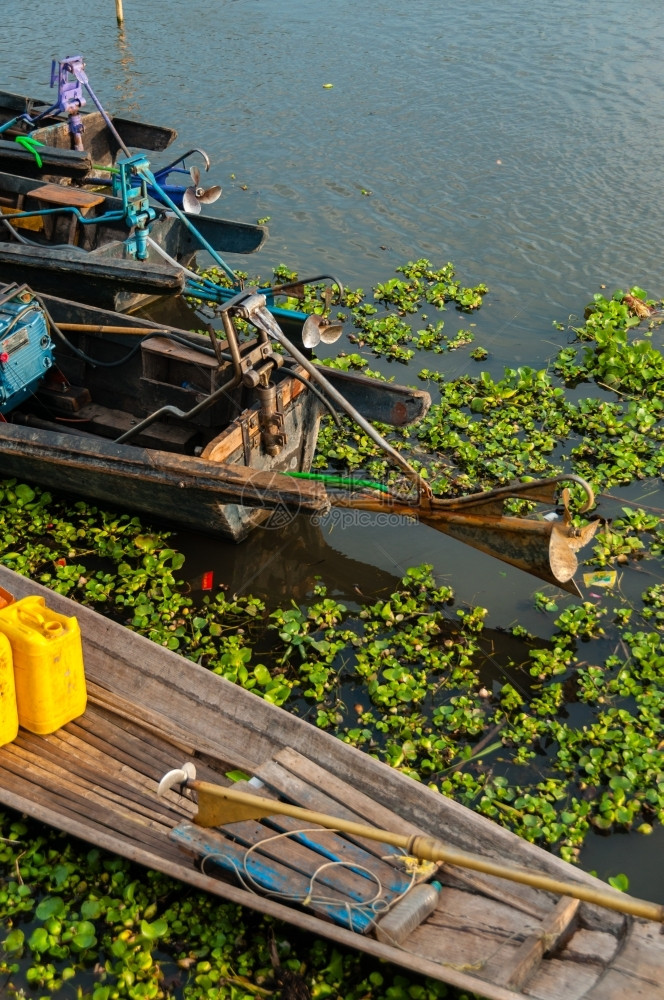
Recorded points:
(49,151)
(158,420)
(94,247)
(56,156)
(149,710)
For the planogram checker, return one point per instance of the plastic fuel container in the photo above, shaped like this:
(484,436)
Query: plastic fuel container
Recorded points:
(48,664)
(8,711)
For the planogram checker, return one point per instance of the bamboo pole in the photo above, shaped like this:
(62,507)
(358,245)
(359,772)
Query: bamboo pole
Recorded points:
(118,11)
(102,328)
(219,806)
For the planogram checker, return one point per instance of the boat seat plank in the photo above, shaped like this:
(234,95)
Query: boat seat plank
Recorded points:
(274,878)
(109,422)
(310,861)
(386,861)
(325,856)
(557,925)
(306,848)
(345,794)
(65,194)
(301,793)
(171,350)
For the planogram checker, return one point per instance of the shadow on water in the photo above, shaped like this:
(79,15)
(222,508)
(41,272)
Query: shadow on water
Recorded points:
(283,565)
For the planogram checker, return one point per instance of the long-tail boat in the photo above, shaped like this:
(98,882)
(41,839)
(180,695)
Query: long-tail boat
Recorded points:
(317,834)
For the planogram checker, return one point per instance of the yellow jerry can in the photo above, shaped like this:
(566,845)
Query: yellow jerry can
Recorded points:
(48,664)
(8,711)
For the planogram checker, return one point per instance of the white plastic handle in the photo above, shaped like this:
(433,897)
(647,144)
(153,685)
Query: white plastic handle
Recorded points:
(179,777)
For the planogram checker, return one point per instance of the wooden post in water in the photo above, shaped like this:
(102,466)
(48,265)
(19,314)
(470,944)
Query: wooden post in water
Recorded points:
(118,11)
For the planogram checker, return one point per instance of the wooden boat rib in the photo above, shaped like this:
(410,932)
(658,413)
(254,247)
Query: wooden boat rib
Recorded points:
(96,779)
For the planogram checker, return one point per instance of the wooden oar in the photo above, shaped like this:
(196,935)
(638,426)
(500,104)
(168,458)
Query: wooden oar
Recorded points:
(218,806)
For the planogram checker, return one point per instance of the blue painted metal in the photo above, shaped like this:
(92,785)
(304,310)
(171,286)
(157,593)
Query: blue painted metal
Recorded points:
(26,349)
(70,97)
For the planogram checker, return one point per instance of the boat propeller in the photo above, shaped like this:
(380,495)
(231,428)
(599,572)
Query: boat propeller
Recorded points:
(194,197)
(318,329)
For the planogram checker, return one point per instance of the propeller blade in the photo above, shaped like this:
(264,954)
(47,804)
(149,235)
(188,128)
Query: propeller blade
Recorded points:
(209,195)
(190,202)
(319,328)
(195,175)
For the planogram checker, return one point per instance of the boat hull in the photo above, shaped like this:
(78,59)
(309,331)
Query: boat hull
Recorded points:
(226,501)
(149,710)
(212,473)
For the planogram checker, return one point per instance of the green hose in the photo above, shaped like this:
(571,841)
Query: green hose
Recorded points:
(339,480)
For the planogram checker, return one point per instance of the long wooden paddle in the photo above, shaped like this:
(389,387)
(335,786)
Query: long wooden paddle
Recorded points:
(218,806)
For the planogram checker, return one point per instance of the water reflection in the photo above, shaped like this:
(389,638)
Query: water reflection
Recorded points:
(125,86)
(283,566)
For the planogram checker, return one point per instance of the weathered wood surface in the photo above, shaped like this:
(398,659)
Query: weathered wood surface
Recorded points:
(140,135)
(96,778)
(180,488)
(64,271)
(396,405)
(15,158)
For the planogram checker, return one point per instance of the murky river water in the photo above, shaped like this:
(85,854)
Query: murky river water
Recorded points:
(522,141)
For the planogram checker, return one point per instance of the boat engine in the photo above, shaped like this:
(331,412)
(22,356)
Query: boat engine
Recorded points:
(26,348)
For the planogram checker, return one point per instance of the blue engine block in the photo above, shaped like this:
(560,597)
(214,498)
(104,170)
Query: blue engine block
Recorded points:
(26,349)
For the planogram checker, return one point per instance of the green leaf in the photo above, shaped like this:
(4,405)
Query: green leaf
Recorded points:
(14,940)
(262,674)
(154,930)
(39,940)
(237,776)
(24,493)
(91,909)
(52,906)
